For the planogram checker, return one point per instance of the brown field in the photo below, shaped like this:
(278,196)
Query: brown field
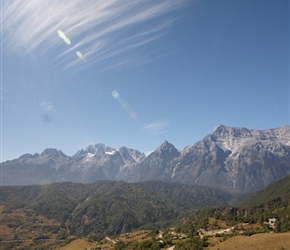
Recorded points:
(220,223)
(134,236)
(6,232)
(20,228)
(81,244)
(265,241)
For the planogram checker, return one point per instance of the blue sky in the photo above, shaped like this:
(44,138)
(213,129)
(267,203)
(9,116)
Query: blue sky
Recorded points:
(148,71)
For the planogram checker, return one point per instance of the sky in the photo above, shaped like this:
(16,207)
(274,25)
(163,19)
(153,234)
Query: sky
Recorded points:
(137,73)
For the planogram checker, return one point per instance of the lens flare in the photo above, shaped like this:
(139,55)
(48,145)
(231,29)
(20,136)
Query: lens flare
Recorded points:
(133,115)
(124,105)
(79,54)
(115,94)
(61,34)
(64,37)
(67,41)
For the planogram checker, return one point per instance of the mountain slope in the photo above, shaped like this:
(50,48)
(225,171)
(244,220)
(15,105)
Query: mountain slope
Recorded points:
(155,165)
(270,202)
(233,159)
(277,190)
(107,207)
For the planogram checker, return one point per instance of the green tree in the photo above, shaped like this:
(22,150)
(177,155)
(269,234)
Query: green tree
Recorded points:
(277,227)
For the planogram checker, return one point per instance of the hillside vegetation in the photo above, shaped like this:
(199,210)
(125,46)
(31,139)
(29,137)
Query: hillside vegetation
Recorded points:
(108,207)
(271,202)
(275,191)
(92,215)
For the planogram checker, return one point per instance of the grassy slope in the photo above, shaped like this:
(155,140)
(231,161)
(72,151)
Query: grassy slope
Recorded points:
(266,241)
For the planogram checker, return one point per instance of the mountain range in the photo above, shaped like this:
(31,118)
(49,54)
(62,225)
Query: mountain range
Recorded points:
(229,158)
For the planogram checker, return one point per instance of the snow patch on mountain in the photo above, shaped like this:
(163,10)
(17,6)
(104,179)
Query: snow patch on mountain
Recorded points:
(110,153)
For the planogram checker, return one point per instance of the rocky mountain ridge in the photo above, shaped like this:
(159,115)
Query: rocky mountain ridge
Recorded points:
(233,159)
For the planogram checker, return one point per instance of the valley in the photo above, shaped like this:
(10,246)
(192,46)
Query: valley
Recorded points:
(217,194)
(86,218)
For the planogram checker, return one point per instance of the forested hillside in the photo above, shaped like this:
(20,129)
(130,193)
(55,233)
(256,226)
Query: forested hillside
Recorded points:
(108,207)
(271,202)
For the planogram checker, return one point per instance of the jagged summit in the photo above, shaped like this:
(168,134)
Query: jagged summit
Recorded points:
(165,145)
(52,152)
(230,158)
(281,132)
(166,150)
(225,132)
(219,126)
(98,148)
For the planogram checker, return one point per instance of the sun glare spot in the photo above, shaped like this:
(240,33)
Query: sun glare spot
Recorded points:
(61,34)
(115,94)
(124,105)
(79,54)
(134,115)
(64,37)
(67,41)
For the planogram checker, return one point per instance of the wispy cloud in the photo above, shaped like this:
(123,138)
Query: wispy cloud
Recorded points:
(103,31)
(47,106)
(155,128)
